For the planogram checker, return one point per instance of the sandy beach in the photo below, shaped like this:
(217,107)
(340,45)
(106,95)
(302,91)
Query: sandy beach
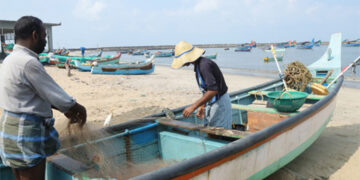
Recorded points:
(335,155)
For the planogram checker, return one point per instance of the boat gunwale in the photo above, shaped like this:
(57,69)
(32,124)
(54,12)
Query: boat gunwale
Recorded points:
(187,167)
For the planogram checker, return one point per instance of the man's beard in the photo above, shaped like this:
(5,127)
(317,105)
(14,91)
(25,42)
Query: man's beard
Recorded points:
(40,46)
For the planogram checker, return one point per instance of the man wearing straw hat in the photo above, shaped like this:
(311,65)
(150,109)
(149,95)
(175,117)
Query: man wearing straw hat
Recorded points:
(215,103)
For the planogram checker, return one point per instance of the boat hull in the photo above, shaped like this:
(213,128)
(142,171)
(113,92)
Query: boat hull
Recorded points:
(124,70)
(263,158)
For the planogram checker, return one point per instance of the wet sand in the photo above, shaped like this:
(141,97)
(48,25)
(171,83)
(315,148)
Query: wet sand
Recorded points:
(335,155)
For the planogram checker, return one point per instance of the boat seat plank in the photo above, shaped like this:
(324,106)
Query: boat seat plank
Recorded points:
(180,124)
(209,130)
(259,109)
(225,132)
(310,96)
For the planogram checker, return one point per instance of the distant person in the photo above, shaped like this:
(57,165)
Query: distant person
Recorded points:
(67,66)
(82,51)
(214,105)
(27,96)
(100,53)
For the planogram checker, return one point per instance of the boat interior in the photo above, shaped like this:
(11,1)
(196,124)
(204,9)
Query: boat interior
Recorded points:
(148,144)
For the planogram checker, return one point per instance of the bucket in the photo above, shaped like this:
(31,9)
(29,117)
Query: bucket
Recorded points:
(288,101)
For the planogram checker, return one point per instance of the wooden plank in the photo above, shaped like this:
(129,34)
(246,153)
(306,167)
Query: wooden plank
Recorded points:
(180,124)
(258,121)
(209,130)
(310,96)
(225,132)
(259,109)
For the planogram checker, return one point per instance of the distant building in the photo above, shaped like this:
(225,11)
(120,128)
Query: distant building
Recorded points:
(7,33)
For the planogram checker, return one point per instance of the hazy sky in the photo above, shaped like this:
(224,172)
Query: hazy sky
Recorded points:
(95,23)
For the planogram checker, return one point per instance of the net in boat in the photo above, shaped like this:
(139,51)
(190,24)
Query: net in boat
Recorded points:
(297,76)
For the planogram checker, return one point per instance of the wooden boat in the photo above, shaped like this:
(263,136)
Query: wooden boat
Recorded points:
(87,61)
(160,54)
(279,55)
(145,67)
(317,43)
(306,45)
(163,146)
(271,59)
(140,52)
(354,43)
(243,49)
(212,56)
(87,66)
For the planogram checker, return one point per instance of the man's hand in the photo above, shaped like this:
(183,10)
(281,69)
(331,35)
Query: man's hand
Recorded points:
(188,111)
(201,112)
(77,114)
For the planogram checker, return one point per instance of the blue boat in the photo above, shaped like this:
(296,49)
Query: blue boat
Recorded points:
(144,67)
(306,45)
(160,54)
(243,48)
(354,43)
(169,146)
(140,52)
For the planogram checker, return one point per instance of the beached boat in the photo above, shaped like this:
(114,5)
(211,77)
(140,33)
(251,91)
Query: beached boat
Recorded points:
(86,60)
(145,67)
(212,56)
(87,66)
(166,146)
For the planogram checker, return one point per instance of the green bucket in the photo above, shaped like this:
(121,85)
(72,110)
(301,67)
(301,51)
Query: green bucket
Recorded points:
(289,101)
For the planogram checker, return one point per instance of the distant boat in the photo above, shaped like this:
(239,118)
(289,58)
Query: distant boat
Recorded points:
(140,52)
(87,66)
(306,45)
(226,49)
(160,54)
(317,43)
(145,67)
(243,48)
(279,55)
(354,43)
(212,56)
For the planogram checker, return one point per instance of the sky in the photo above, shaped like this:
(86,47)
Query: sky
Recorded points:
(108,23)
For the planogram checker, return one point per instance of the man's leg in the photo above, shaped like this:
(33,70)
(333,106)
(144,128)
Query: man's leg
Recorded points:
(37,172)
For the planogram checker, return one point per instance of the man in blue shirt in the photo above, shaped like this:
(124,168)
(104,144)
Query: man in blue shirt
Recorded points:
(214,105)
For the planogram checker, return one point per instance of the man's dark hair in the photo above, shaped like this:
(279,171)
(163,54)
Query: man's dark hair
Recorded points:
(26,25)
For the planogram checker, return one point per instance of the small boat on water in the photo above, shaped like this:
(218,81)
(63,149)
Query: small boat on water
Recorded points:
(140,52)
(212,56)
(244,48)
(226,49)
(168,146)
(354,43)
(306,45)
(317,43)
(145,67)
(160,54)
(279,55)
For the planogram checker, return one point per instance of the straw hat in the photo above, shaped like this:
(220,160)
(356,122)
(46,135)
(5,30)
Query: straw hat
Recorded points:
(185,53)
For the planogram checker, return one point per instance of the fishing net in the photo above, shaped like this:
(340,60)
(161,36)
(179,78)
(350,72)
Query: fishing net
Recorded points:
(297,76)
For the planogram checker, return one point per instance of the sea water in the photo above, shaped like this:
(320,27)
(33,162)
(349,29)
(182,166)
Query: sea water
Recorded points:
(252,63)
